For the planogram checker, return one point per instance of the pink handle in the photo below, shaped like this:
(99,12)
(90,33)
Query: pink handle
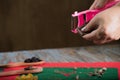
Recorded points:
(85,16)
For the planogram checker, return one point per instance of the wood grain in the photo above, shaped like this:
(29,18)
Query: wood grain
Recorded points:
(106,53)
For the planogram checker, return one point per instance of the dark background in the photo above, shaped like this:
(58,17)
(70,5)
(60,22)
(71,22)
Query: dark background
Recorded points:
(39,24)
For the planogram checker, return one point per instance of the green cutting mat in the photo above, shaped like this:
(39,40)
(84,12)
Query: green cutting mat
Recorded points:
(50,74)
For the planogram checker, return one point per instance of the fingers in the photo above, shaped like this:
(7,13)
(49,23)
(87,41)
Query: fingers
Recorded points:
(93,5)
(98,36)
(106,40)
(92,25)
(98,4)
(97,40)
(90,36)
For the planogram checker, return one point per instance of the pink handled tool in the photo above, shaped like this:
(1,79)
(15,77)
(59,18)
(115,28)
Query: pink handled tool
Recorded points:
(80,19)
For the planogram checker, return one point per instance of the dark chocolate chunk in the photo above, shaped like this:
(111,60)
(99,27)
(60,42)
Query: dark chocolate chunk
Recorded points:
(28,60)
(35,59)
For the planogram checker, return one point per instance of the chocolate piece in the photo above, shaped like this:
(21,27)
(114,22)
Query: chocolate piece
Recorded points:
(28,60)
(33,59)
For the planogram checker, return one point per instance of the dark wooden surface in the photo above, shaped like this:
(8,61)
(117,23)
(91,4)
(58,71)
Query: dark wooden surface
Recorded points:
(37,24)
(106,53)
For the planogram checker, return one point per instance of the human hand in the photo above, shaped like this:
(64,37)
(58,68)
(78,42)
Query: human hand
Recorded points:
(99,4)
(104,27)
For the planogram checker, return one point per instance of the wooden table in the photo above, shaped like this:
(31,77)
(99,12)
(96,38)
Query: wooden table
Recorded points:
(99,53)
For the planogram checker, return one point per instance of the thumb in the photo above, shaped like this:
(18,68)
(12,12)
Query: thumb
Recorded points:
(98,4)
(92,25)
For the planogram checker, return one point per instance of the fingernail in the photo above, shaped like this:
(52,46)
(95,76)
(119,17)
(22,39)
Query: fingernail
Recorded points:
(83,29)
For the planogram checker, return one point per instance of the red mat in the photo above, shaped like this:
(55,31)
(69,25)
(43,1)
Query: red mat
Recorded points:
(70,64)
